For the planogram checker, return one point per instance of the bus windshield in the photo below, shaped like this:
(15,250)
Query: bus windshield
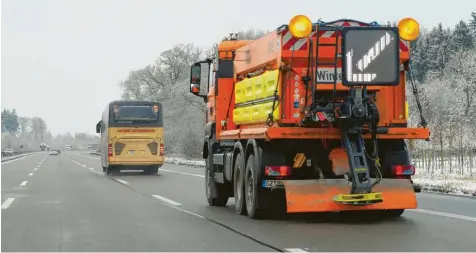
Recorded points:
(134,114)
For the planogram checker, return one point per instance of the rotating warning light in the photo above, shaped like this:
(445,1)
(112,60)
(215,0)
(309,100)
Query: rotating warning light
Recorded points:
(300,26)
(409,29)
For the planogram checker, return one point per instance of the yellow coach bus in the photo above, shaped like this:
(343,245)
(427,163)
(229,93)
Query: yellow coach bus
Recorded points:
(132,136)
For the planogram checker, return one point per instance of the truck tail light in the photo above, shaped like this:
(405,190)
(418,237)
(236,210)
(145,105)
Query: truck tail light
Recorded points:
(403,170)
(109,150)
(278,171)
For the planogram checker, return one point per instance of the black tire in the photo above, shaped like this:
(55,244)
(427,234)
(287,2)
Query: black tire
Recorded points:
(222,198)
(238,185)
(109,170)
(153,170)
(251,189)
(393,213)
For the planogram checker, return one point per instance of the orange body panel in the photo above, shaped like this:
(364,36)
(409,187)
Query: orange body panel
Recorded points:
(268,53)
(317,133)
(264,52)
(317,195)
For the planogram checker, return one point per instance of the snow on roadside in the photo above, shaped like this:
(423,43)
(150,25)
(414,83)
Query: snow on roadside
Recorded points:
(453,183)
(187,162)
(452,186)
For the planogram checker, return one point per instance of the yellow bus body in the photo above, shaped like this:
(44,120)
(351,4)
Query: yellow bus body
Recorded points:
(136,146)
(129,145)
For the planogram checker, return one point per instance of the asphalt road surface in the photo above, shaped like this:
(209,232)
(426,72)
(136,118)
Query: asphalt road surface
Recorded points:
(66,203)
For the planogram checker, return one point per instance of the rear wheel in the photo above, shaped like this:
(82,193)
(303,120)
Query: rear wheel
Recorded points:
(153,170)
(110,170)
(251,189)
(393,213)
(238,185)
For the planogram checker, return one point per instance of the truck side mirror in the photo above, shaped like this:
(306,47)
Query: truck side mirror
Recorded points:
(195,79)
(98,127)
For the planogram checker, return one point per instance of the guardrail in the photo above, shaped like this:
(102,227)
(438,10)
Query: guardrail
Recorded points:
(16,155)
(5,154)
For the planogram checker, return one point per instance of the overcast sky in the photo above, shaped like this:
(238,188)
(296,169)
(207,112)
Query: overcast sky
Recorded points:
(62,60)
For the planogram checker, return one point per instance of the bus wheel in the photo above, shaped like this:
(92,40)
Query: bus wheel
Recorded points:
(104,169)
(109,170)
(153,170)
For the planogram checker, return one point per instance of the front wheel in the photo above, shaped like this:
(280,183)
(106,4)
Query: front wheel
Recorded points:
(222,198)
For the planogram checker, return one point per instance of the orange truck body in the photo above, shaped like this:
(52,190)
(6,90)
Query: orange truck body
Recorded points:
(274,65)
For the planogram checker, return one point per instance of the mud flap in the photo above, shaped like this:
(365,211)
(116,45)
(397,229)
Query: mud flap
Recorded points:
(318,195)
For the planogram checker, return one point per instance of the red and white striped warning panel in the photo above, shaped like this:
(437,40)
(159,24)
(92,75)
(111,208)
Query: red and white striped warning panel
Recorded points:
(293,44)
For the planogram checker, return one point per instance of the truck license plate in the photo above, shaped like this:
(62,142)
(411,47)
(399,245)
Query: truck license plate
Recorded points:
(272,183)
(131,152)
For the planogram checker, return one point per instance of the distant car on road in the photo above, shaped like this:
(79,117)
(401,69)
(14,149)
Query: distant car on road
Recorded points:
(8,152)
(54,152)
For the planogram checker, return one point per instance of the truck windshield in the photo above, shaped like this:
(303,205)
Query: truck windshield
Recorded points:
(134,113)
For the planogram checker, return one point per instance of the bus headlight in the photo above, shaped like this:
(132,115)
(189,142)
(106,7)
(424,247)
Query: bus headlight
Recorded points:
(300,26)
(409,29)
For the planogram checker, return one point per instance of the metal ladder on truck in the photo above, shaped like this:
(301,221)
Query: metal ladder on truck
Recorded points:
(352,139)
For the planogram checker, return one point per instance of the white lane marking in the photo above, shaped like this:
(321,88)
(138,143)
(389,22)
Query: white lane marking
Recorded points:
(91,168)
(23,183)
(84,166)
(7,203)
(183,173)
(448,215)
(121,181)
(166,200)
(294,250)
(97,158)
(185,211)
(31,174)
(35,169)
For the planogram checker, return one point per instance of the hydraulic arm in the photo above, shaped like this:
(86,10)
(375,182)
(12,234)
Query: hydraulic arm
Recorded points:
(357,111)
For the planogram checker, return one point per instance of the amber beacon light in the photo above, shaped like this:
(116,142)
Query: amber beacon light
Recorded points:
(300,26)
(409,29)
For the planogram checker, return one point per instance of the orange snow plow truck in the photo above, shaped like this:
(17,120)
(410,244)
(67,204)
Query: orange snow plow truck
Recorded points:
(311,117)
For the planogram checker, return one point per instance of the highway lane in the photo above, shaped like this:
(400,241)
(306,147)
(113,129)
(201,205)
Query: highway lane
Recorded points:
(414,231)
(66,207)
(15,172)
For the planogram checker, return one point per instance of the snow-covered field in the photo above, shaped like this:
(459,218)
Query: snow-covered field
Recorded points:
(432,181)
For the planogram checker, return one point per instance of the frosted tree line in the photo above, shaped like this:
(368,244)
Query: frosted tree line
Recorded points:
(26,134)
(444,73)
(444,67)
